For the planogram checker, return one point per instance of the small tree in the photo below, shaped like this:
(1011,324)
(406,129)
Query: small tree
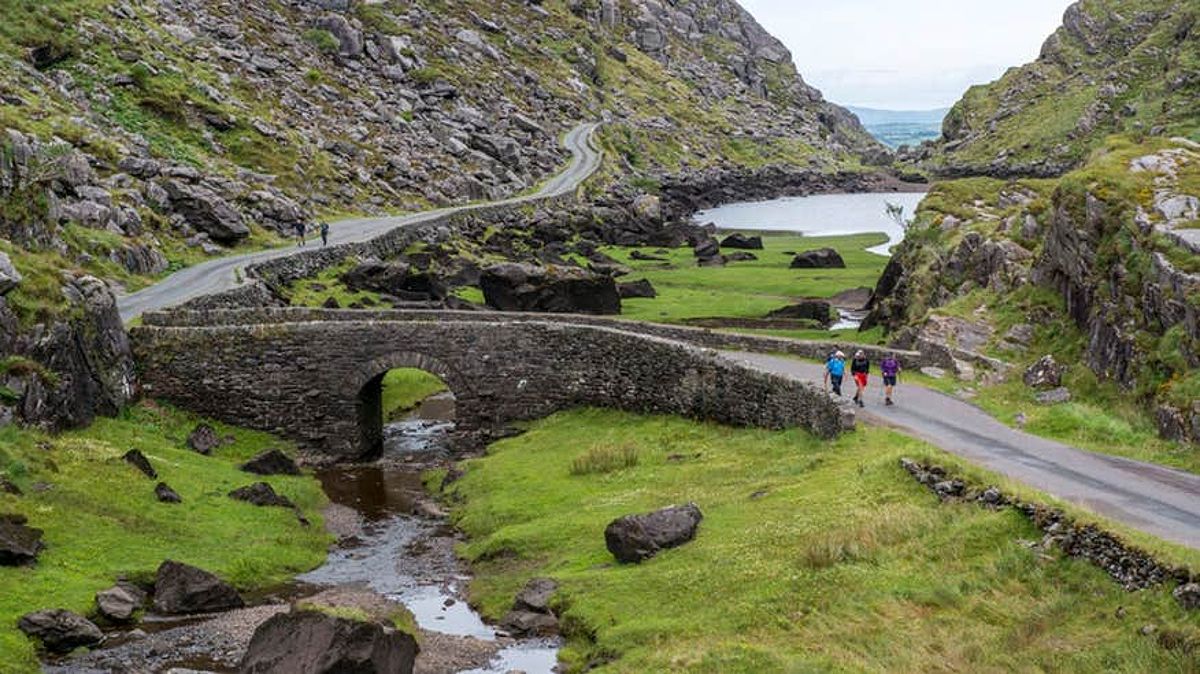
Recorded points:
(896,213)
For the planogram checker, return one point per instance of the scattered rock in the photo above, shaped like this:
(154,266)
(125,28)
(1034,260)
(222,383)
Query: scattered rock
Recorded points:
(261,494)
(822,258)
(9,276)
(637,289)
(1188,596)
(59,630)
(635,538)
(138,460)
(741,256)
(529,624)
(1045,373)
(1055,396)
(536,595)
(811,310)
(271,462)
(743,242)
(1020,334)
(644,257)
(165,494)
(706,248)
(523,287)
(203,439)
(183,589)
(120,602)
(317,643)
(9,487)
(19,544)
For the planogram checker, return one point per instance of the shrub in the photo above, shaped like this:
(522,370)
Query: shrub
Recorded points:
(602,459)
(322,39)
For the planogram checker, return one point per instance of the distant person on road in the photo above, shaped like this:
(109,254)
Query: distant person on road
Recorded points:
(890,368)
(300,230)
(835,370)
(860,367)
(324,233)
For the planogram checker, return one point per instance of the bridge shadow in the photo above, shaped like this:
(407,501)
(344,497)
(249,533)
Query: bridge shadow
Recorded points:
(405,386)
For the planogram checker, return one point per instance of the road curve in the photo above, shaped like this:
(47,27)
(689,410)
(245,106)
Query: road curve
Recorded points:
(222,273)
(1157,500)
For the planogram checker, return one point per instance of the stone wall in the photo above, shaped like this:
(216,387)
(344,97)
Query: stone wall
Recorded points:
(313,376)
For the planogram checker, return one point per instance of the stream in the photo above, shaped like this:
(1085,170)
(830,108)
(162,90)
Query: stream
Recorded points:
(392,540)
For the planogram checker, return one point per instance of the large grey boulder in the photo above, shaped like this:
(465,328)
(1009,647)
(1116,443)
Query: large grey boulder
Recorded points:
(19,544)
(635,538)
(350,39)
(743,242)
(317,643)
(59,630)
(206,211)
(183,589)
(119,602)
(522,287)
(10,278)
(822,258)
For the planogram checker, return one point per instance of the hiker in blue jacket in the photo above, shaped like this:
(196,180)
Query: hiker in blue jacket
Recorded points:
(835,370)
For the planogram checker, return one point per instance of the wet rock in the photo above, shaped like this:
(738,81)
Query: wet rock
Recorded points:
(182,589)
(522,287)
(1055,396)
(260,494)
(637,289)
(635,538)
(19,544)
(529,624)
(1188,596)
(203,439)
(822,258)
(536,595)
(317,643)
(271,462)
(119,602)
(1045,373)
(138,460)
(743,242)
(165,494)
(59,630)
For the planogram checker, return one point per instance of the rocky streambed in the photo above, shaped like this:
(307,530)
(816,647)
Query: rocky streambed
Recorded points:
(395,545)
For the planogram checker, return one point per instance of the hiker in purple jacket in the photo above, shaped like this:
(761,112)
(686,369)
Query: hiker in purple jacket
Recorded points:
(890,368)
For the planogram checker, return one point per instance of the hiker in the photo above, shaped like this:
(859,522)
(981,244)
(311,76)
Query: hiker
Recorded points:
(835,370)
(300,227)
(890,368)
(324,233)
(860,367)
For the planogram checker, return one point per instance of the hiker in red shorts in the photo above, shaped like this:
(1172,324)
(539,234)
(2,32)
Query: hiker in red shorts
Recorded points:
(860,367)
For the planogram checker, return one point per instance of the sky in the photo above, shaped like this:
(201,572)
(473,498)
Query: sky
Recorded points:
(906,54)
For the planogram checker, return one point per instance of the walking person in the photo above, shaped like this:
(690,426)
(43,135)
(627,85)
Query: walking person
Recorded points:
(835,370)
(300,230)
(889,367)
(324,233)
(860,367)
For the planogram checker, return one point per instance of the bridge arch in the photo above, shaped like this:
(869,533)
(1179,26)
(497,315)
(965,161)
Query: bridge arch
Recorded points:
(368,380)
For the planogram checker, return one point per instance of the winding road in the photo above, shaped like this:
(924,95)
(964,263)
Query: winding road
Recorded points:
(1151,498)
(1154,499)
(222,273)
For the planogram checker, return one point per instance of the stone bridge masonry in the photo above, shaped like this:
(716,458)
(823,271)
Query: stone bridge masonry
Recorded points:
(314,376)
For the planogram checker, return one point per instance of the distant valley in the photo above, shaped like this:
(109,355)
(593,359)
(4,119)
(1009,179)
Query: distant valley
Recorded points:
(901,127)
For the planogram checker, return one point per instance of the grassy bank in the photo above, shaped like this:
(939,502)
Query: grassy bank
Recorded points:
(102,521)
(405,388)
(812,557)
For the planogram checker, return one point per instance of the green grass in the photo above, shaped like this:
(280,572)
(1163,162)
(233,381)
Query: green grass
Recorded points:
(405,388)
(812,557)
(747,289)
(314,292)
(102,520)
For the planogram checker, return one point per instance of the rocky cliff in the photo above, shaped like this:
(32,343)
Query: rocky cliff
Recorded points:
(1115,66)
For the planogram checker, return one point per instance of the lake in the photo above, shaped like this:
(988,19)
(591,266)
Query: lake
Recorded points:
(818,215)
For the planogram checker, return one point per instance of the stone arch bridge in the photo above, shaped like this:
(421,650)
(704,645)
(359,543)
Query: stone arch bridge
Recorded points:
(314,376)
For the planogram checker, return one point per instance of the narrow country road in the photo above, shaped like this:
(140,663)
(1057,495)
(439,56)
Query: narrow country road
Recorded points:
(1151,498)
(221,274)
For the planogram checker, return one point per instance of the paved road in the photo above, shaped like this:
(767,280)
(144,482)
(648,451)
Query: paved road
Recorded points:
(221,274)
(1157,500)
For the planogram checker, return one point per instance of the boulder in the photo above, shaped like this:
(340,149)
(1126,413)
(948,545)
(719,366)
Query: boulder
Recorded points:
(9,276)
(1188,596)
(536,595)
(394,278)
(182,589)
(59,630)
(706,248)
(165,494)
(1045,373)
(19,544)
(529,624)
(743,242)
(203,439)
(811,310)
(207,212)
(740,256)
(635,538)
(822,258)
(639,255)
(637,289)
(1055,396)
(119,602)
(138,460)
(318,643)
(523,287)
(260,494)
(350,40)
(271,462)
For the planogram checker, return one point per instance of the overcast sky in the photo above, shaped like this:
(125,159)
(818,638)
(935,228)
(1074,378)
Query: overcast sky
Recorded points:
(906,54)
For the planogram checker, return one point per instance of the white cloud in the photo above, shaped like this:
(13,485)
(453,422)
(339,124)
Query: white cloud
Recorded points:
(907,54)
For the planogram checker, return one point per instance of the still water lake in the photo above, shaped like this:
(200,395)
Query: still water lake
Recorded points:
(818,215)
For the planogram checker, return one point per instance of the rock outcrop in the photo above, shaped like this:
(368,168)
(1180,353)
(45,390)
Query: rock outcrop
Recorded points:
(315,642)
(519,287)
(59,630)
(183,589)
